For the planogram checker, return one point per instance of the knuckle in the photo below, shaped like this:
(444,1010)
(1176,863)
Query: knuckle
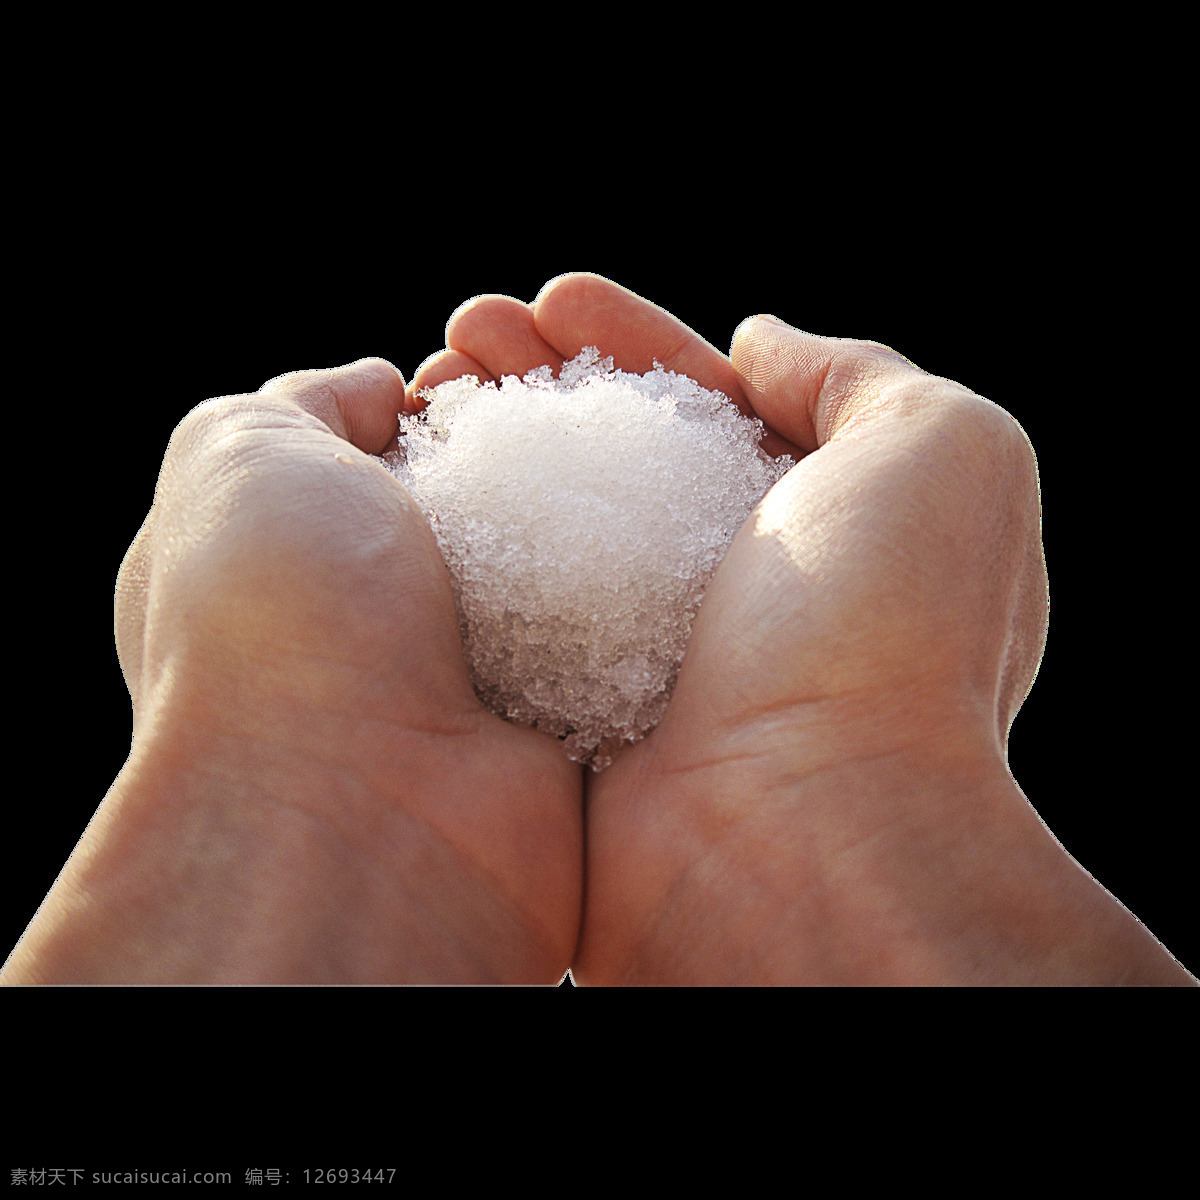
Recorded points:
(206,421)
(992,427)
(869,367)
(205,447)
(197,429)
(301,387)
(995,450)
(961,427)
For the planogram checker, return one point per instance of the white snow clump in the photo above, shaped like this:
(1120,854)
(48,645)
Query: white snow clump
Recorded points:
(581,520)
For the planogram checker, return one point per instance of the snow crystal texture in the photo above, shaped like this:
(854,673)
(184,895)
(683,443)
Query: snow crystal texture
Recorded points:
(581,520)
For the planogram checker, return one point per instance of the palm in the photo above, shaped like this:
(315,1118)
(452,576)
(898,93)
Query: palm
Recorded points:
(315,793)
(496,336)
(634,851)
(312,566)
(822,633)
(827,797)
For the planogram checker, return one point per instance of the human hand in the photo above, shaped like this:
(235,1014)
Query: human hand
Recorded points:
(827,799)
(314,794)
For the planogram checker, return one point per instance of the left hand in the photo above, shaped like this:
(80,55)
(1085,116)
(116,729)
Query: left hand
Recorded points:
(314,792)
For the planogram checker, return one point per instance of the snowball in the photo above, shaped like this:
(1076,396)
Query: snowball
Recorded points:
(581,521)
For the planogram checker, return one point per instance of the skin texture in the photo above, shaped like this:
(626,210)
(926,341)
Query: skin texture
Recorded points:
(315,795)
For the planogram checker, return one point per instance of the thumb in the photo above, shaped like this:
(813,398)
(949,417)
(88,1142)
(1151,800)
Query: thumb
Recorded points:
(807,387)
(359,401)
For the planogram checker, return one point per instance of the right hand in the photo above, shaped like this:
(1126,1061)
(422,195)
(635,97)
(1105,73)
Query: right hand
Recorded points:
(827,799)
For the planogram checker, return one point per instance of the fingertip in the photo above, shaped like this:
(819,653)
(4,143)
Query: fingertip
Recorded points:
(371,370)
(771,319)
(359,401)
(467,307)
(780,370)
(749,332)
(803,384)
(500,333)
(440,368)
(567,277)
(762,324)
(547,286)
(371,401)
(375,391)
(374,367)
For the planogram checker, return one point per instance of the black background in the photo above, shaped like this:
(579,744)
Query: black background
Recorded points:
(183,288)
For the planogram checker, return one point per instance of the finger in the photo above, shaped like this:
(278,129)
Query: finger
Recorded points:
(360,402)
(500,333)
(441,368)
(580,310)
(808,387)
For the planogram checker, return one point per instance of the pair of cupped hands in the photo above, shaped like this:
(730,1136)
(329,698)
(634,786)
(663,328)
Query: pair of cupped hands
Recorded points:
(314,793)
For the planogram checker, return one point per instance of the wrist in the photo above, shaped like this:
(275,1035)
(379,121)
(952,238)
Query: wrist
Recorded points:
(188,873)
(901,870)
(217,860)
